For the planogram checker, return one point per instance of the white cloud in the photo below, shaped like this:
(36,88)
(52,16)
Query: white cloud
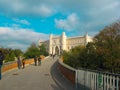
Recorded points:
(15,25)
(111,6)
(19,38)
(90,12)
(106,8)
(69,24)
(42,10)
(21,21)
(47,7)
(28,7)
(24,22)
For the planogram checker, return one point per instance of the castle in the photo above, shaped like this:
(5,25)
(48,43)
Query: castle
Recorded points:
(56,44)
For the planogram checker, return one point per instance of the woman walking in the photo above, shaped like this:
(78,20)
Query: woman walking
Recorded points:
(19,63)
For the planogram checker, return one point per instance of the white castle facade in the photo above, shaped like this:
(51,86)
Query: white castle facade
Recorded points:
(56,44)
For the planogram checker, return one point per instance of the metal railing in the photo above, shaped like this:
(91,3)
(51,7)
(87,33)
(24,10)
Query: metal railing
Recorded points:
(92,80)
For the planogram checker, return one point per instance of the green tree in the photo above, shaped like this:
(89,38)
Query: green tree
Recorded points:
(10,56)
(10,53)
(17,52)
(32,51)
(6,58)
(102,54)
(72,57)
(108,41)
(43,50)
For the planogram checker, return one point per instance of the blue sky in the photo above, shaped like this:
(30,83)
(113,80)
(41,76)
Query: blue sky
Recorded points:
(25,21)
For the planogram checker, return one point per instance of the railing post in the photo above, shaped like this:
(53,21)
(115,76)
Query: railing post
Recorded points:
(95,81)
(76,79)
(110,80)
(114,82)
(117,83)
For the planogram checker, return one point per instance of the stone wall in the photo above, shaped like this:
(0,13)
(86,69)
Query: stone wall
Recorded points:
(13,65)
(67,71)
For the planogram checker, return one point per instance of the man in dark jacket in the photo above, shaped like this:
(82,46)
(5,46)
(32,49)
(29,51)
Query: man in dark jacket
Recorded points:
(1,62)
(35,60)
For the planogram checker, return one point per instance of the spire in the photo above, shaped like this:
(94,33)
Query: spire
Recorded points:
(86,34)
(51,35)
(86,38)
(63,34)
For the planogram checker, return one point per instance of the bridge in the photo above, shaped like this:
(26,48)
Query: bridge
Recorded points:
(53,74)
(44,77)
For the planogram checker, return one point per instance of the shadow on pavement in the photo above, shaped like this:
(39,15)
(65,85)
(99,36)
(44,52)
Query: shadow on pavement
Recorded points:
(55,88)
(60,79)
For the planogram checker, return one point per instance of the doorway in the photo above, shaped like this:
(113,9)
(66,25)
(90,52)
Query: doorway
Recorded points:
(56,50)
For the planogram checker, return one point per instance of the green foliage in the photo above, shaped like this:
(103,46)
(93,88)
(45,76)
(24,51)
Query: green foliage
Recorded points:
(7,57)
(72,58)
(10,54)
(32,51)
(103,54)
(43,50)
(17,52)
(109,41)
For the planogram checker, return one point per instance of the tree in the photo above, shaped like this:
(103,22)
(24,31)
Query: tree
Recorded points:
(32,51)
(11,56)
(10,53)
(17,52)
(102,54)
(43,50)
(108,43)
(72,57)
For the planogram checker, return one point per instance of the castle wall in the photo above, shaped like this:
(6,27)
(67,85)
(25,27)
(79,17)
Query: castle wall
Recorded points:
(73,42)
(64,43)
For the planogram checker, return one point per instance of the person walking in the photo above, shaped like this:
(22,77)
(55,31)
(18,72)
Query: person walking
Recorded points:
(1,63)
(53,56)
(35,60)
(23,63)
(19,63)
(39,61)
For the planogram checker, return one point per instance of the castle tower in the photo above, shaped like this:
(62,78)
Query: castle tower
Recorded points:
(50,44)
(63,41)
(86,38)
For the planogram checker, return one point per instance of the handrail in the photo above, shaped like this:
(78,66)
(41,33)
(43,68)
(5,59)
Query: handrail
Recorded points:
(66,66)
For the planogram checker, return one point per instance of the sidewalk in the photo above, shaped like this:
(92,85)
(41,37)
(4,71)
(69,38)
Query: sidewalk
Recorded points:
(30,78)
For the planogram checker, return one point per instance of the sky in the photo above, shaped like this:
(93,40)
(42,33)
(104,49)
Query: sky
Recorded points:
(23,22)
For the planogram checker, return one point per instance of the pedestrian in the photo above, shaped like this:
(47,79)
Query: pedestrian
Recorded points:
(1,63)
(53,56)
(23,63)
(35,60)
(39,61)
(19,63)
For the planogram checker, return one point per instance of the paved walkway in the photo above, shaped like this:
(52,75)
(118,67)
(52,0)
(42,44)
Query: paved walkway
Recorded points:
(34,78)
